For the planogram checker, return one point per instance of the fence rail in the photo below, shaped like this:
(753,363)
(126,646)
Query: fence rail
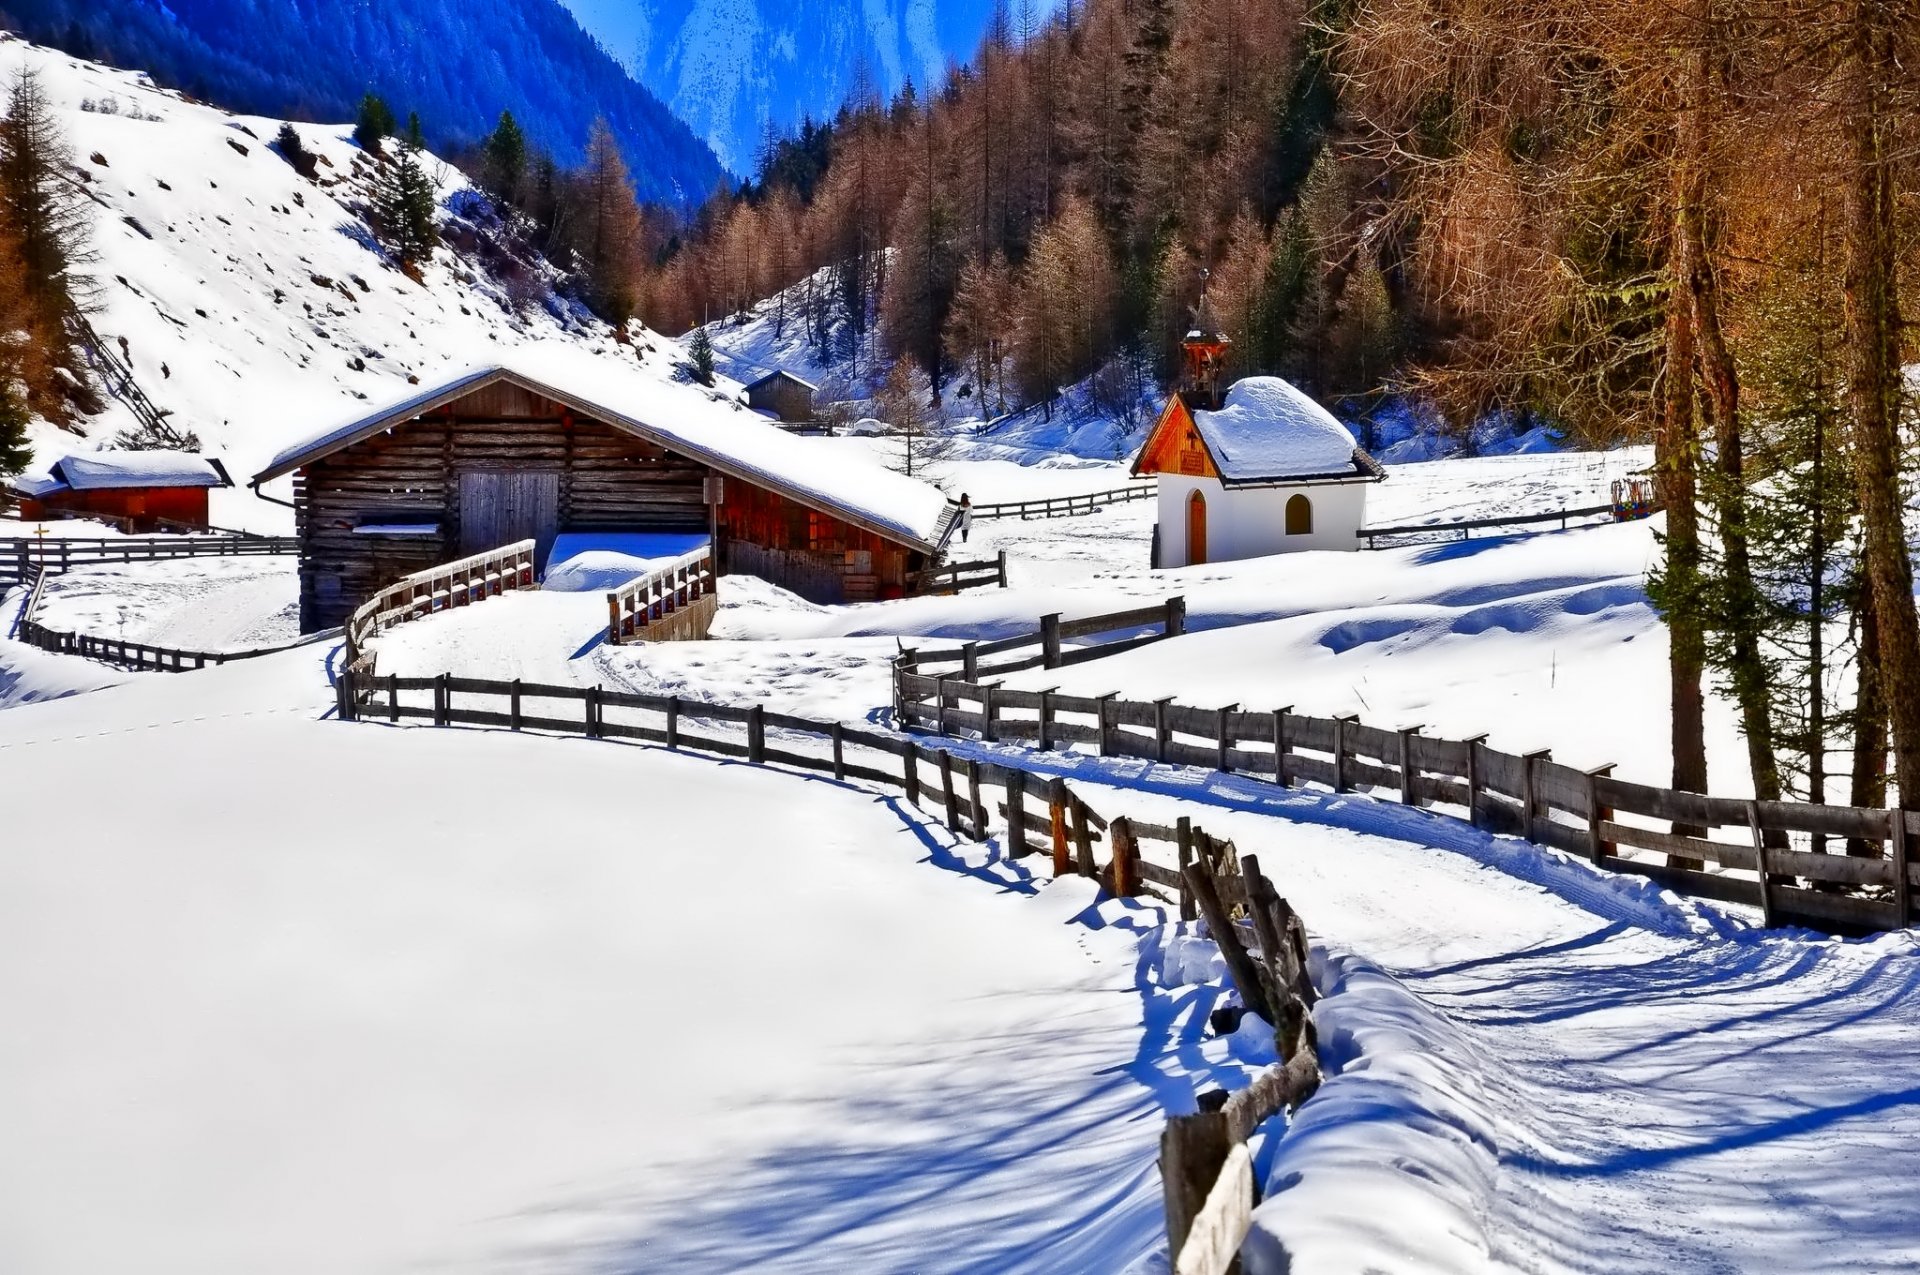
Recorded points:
(953,577)
(1466,527)
(915,668)
(20,554)
(1777,857)
(452,584)
(1067,506)
(675,600)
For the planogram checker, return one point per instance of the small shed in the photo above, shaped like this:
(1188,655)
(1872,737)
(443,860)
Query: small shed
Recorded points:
(562,442)
(783,396)
(1262,469)
(141,490)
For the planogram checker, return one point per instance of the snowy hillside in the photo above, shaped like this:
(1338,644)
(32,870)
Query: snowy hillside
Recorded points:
(251,301)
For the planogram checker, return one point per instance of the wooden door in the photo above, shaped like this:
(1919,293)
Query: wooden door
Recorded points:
(1196,529)
(499,507)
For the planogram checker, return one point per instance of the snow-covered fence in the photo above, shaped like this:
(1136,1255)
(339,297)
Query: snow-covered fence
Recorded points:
(673,602)
(1466,527)
(1068,506)
(139,656)
(1205,1169)
(1778,858)
(20,555)
(919,675)
(452,584)
(953,577)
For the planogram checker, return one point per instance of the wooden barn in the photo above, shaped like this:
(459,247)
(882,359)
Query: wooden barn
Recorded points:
(142,491)
(496,455)
(783,396)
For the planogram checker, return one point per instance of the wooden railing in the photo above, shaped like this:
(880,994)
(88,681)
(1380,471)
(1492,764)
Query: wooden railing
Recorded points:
(952,577)
(661,603)
(971,661)
(20,554)
(1067,506)
(1466,527)
(1206,1167)
(453,584)
(1776,846)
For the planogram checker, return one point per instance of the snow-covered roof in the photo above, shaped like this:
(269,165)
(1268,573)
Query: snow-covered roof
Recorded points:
(684,418)
(95,471)
(780,374)
(1269,431)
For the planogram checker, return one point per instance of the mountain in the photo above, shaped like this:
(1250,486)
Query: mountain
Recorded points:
(457,62)
(252,304)
(729,67)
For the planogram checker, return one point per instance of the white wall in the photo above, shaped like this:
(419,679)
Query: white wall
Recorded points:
(1251,522)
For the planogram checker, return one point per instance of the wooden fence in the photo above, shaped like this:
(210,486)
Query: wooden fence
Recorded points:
(1778,859)
(1206,1166)
(19,555)
(918,670)
(452,584)
(140,656)
(952,577)
(673,602)
(1068,506)
(1466,527)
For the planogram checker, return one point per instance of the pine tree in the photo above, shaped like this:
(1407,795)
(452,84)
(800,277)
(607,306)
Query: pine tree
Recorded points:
(604,226)
(406,203)
(700,356)
(44,241)
(374,124)
(294,151)
(505,165)
(15,452)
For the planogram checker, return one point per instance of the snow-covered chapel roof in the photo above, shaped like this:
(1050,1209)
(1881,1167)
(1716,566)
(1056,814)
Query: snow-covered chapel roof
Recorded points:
(682,418)
(1269,431)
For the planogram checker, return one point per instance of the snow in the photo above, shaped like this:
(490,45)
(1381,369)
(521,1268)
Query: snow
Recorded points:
(596,561)
(704,424)
(1267,429)
(85,471)
(397,529)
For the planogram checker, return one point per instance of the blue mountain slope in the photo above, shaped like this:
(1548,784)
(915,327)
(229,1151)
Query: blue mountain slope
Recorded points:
(727,67)
(457,62)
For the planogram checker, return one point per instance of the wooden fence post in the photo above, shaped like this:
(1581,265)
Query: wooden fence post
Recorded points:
(1016,813)
(1126,857)
(989,712)
(1246,976)
(1193,1151)
(947,794)
(1474,746)
(1339,753)
(1103,714)
(393,697)
(979,805)
(1176,621)
(673,722)
(970,662)
(1760,864)
(1597,814)
(1057,817)
(1046,718)
(441,698)
(1529,794)
(1050,640)
(757,733)
(1897,846)
(910,764)
(1280,716)
(1408,779)
(1183,839)
(838,733)
(1001,559)
(1162,733)
(1224,762)
(1083,840)
(940,703)
(593,712)
(343,692)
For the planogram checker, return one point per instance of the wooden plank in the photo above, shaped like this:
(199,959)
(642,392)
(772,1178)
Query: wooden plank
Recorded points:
(1193,1150)
(1721,852)
(1279,1088)
(1214,1236)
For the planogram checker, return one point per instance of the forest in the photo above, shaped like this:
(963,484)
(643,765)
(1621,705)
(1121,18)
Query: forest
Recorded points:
(1689,223)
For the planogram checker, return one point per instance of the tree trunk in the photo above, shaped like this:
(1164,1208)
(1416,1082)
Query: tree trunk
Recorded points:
(1676,449)
(1873,386)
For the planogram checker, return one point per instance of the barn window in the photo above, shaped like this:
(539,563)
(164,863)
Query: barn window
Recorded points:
(1299,516)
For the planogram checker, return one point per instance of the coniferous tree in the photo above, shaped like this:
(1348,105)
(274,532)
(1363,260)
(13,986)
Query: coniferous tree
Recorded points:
(375,123)
(294,151)
(44,243)
(406,203)
(15,452)
(505,164)
(604,227)
(700,356)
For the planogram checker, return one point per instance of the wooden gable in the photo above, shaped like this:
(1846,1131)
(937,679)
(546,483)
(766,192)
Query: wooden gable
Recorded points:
(1175,446)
